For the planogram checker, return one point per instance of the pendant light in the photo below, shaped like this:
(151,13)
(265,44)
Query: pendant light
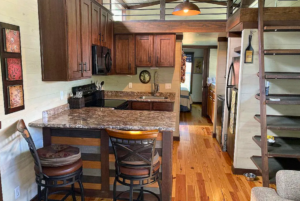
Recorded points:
(186,9)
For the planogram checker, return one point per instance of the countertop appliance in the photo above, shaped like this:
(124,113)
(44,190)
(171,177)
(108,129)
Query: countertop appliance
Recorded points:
(101,60)
(94,98)
(220,118)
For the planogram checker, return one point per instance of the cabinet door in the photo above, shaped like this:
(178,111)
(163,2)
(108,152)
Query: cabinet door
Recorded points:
(144,50)
(103,30)
(164,47)
(110,31)
(86,37)
(140,105)
(124,55)
(96,24)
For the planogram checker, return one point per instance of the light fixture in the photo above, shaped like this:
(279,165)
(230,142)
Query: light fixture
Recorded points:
(186,9)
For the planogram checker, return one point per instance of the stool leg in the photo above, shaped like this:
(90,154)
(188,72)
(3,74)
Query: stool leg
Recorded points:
(115,190)
(142,192)
(159,185)
(73,192)
(39,192)
(131,192)
(81,190)
(46,193)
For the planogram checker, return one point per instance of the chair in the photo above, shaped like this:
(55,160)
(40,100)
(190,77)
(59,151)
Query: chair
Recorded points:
(55,166)
(137,161)
(287,186)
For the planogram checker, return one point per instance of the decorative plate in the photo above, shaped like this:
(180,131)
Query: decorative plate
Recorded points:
(12,41)
(145,77)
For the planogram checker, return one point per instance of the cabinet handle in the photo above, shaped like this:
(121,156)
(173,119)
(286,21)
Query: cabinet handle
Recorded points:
(85,66)
(80,64)
(102,38)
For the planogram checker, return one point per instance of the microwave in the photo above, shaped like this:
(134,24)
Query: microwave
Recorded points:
(101,60)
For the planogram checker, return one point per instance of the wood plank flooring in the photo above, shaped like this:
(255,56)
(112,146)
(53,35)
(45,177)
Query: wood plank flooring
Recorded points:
(201,171)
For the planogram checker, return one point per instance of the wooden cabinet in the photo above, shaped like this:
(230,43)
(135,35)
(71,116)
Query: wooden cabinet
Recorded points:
(124,55)
(103,28)
(144,51)
(110,31)
(154,106)
(211,103)
(67,35)
(164,50)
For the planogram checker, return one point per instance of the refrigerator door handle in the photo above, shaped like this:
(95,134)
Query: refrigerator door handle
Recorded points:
(228,86)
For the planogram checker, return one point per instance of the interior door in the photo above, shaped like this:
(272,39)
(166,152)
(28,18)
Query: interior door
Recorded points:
(164,47)
(103,27)
(86,37)
(124,51)
(96,24)
(144,50)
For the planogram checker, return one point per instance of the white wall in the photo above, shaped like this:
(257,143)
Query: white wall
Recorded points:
(213,63)
(248,106)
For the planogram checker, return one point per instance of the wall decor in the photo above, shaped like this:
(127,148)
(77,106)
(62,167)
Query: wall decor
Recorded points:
(11,68)
(145,77)
(249,52)
(12,40)
(198,65)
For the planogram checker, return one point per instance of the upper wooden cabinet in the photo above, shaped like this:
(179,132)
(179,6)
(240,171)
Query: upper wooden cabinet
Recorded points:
(110,31)
(164,50)
(67,36)
(124,55)
(144,51)
(103,27)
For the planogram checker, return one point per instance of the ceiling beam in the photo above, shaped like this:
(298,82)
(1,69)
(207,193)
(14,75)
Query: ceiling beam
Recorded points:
(246,3)
(162,9)
(169,26)
(123,4)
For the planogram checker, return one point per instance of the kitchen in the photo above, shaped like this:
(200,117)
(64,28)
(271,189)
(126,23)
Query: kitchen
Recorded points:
(57,58)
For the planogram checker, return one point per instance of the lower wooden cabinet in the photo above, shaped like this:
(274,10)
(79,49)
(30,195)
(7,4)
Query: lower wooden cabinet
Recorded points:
(211,103)
(154,106)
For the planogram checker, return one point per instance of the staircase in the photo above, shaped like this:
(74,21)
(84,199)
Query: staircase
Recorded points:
(285,153)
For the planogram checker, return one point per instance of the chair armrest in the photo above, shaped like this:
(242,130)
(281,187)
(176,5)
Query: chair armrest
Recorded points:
(265,194)
(288,184)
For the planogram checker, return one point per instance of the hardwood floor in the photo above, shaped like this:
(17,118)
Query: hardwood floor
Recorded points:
(201,171)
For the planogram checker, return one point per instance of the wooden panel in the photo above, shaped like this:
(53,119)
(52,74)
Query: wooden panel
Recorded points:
(160,106)
(86,37)
(124,51)
(144,50)
(76,141)
(52,23)
(92,164)
(135,105)
(169,26)
(110,29)
(96,12)
(167,166)
(89,186)
(103,27)
(164,48)
(105,160)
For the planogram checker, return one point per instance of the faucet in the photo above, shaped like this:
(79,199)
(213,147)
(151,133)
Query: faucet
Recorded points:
(156,86)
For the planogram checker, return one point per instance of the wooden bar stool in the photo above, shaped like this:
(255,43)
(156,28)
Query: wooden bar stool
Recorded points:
(55,166)
(137,161)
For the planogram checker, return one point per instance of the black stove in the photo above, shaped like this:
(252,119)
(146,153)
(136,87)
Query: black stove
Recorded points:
(94,98)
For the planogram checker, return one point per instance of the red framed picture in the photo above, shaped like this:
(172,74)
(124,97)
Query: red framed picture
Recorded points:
(12,42)
(15,96)
(13,69)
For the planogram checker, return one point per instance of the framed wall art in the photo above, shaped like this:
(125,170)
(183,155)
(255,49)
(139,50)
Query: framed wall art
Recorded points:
(11,68)
(198,65)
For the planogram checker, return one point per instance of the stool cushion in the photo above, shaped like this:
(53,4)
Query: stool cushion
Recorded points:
(58,155)
(134,160)
(138,171)
(59,171)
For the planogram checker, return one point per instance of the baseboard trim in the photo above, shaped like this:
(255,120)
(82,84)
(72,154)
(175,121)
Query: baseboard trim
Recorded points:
(214,135)
(176,138)
(241,171)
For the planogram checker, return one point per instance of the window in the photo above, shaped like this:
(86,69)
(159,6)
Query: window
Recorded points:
(188,72)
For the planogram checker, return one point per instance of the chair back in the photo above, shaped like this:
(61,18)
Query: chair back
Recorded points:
(21,127)
(137,145)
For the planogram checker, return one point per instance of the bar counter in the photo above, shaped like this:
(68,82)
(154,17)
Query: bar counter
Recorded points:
(85,128)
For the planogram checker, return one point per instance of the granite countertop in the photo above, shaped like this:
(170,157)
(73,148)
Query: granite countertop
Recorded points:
(135,96)
(101,118)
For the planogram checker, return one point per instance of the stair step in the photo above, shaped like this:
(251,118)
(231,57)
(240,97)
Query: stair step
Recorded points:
(277,122)
(285,147)
(282,52)
(276,164)
(284,99)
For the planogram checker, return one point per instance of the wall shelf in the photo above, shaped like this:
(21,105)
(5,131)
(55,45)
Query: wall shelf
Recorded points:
(281,75)
(276,164)
(275,122)
(281,28)
(285,147)
(285,99)
(282,52)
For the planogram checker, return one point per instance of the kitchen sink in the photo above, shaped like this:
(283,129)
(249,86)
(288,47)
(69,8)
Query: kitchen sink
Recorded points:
(153,97)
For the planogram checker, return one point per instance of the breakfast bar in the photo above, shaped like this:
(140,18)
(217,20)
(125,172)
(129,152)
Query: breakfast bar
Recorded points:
(85,128)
